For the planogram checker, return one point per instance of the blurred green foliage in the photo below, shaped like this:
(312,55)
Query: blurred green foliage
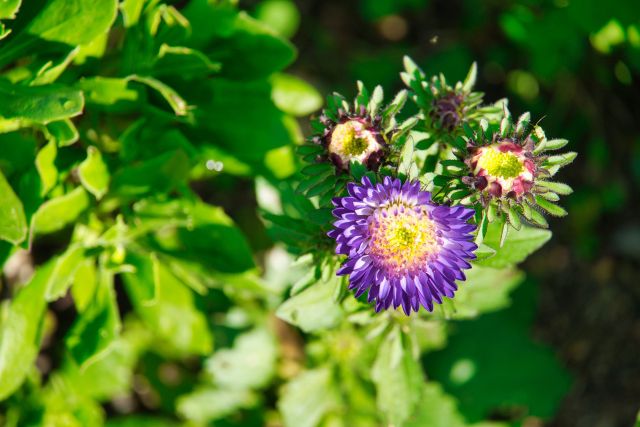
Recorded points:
(139,139)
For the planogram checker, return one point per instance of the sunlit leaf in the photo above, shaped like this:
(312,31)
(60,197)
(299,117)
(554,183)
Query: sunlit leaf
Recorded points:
(20,331)
(13,224)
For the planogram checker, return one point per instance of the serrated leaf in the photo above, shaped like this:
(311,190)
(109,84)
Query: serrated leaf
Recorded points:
(13,223)
(94,174)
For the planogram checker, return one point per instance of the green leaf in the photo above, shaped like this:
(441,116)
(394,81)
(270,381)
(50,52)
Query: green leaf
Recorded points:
(317,169)
(175,101)
(8,8)
(85,282)
(294,96)
(94,174)
(40,104)
(281,15)
(141,421)
(173,317)
(470,80)
(551,144)
(314,308)
(64,272)
(184,62)
(204,234)
(398,378)
(556,187)
(523,374)
(306,399)
(146,278)
(112,374)
(208,404)
(157,175)
(45,163)
(436,409)
(52,70)
(73,22)
(247,124)
(107,91)
(550,207)
(559,160)
(57,213)
(485,290)
(63,132)
(253,50)
(518,245)
(20,332)
(239,368)
(13,223)
(95,330)
(376,101)
(514,218)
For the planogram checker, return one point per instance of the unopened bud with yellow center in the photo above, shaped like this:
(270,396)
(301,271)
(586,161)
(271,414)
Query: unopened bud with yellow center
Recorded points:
(502,169)
(498,164)
(353,141)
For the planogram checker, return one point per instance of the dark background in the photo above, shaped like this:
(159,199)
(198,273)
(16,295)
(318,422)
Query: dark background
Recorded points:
(575,65)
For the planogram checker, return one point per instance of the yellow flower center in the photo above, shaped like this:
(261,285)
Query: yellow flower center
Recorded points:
(499,164)
(351,140)
(402,238)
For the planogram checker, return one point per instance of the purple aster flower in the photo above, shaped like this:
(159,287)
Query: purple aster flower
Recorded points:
(402,248)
